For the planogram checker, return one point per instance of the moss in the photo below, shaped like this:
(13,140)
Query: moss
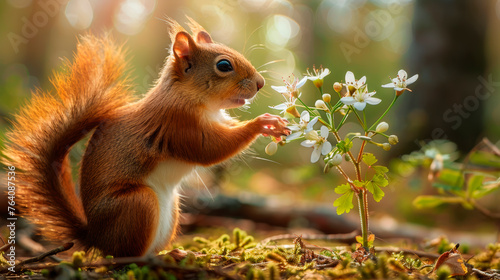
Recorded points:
(273,272)
(443,272)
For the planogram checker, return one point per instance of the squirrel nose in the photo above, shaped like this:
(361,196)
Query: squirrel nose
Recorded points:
(260,81)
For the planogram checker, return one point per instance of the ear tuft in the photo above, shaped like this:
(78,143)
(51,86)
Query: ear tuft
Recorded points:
(199,33)
(174,28)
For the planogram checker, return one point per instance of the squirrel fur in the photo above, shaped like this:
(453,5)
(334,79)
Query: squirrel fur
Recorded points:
(139,150)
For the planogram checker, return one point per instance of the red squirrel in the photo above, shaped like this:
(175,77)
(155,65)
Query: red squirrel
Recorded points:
(139,150)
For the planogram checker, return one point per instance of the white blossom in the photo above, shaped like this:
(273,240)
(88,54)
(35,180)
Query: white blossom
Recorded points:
(360,99)
(303,127)
(318,142)
(401,82)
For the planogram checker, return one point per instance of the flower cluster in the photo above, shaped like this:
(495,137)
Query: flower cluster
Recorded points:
(353,98)
(353,95)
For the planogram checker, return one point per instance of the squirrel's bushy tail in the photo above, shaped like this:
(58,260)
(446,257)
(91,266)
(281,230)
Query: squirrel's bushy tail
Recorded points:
(89,91)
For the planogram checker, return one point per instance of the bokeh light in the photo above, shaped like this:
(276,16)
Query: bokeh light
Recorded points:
(280,29)
(132,15)
(79,13)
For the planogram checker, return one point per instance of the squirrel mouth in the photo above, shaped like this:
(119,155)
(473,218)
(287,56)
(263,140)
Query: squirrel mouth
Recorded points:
(239,101)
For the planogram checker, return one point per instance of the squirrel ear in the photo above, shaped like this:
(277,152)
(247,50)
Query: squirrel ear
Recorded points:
(183,45)
(203,37)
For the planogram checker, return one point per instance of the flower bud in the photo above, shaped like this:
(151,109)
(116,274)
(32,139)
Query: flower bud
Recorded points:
(386,146)
(271,148)
(337,86)
(382,127)
(336,160)
(292,110)
(327,97)
(437,163)
(320,104)
(393,139)
(365,138)
(318,83)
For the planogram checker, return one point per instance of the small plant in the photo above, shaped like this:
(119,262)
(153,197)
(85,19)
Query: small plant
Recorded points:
(464,183)
(330,114)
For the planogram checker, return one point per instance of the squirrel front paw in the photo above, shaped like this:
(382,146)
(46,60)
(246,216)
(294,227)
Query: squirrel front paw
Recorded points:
(272,125)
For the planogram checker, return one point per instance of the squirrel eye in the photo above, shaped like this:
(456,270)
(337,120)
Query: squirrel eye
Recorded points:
(224,65)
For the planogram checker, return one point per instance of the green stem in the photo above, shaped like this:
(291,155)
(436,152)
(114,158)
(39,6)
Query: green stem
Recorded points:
(311,112)
(357,116)
(364,119)
(363,214)
(386,111)
(342,121)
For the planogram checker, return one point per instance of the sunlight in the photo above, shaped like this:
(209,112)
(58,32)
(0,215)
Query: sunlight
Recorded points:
(79,13)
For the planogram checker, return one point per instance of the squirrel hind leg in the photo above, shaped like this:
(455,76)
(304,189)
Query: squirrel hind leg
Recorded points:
(125,222)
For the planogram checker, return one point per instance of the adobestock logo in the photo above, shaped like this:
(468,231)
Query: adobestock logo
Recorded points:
(381,25)
(31,26)
(460,111)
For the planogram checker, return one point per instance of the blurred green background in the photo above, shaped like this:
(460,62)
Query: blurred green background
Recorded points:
(452,45)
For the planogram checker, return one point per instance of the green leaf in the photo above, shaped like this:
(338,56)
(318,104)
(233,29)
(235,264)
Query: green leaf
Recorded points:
(359,239)
(343,188)
(445,187)
(485,158)
(486,189)
(379,169)
(380,180)
(429,201)
(359,184)
(344,146)
(451,177)
(475,183)
(369,159)
(374,186)
(344,203)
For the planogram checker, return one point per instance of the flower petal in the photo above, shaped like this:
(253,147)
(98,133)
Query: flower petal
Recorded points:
(315,155)
(294,136)
(280,89)
(301,82)
(402,74)
(360,105)
(324,132)
(305,116)
(370,94)
(311,124)
(281,106)
(389,85)
(349,77)
(373,100)
(294,127)
(348,100)
(325,73)
(398,89)
(362,81)
(412,79)
(327,147)
(308,143)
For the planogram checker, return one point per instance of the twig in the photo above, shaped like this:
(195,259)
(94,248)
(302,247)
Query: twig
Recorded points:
(145,260)
(485,274)
(62,248)
(340,237)
(408,252)
(5,247)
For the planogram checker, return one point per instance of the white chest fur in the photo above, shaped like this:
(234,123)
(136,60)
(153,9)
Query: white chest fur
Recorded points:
(164,180)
